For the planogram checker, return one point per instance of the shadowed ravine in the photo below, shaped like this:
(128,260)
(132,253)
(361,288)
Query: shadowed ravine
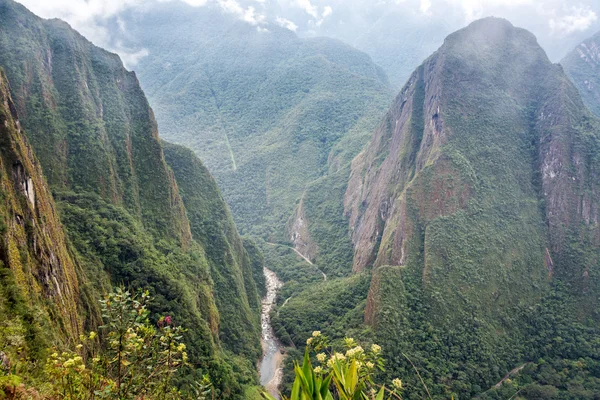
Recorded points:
(270,365)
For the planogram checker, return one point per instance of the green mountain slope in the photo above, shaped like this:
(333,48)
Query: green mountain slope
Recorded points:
(477,193)
(263,110)
(89,123)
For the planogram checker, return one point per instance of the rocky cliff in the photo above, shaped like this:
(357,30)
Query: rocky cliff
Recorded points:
(40,295)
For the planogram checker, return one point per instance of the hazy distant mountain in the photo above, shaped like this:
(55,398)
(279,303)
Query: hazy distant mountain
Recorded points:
(263,109)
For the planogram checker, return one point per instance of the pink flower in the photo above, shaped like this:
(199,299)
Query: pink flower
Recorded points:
(168,320)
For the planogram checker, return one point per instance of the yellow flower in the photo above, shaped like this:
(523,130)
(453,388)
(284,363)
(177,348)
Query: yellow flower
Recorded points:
(93,335)
(356,351)
(316,333)
(181,347)
(321,357)
(309,341)
(370,365)
(397,383)
(79,346)
(375,348)
(318,370)
(96,359)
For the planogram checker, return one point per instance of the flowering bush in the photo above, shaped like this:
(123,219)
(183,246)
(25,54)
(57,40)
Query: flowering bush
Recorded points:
(347,375)
(130,359)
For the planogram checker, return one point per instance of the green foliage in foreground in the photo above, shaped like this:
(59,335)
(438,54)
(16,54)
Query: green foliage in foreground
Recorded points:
(130,358)
(347,376)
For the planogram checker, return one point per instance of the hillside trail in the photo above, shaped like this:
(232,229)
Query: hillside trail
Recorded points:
(301,256)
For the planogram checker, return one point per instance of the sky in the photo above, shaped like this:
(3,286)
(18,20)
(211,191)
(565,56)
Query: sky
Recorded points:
(553,21)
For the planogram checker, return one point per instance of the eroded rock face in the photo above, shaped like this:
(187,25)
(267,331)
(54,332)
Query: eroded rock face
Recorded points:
(32,242)
(482,174)
(300,234)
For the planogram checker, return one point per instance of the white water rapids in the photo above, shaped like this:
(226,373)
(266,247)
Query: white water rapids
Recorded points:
(270,365)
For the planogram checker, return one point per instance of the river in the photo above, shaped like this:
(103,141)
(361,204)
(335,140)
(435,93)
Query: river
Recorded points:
(270,366)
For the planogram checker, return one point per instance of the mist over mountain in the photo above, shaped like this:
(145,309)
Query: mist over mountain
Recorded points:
(398,35)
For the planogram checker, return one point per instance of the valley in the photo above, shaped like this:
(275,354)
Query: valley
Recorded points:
(248,212)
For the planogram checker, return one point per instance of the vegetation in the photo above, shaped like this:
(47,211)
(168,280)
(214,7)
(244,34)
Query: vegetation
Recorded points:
(129,358)
(349,374)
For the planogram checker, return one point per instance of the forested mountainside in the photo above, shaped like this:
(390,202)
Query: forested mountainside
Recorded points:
(475,206)
(94,133)
(267,112)
(582,65)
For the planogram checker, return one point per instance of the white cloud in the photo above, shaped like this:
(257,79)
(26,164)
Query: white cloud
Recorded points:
(196,3)
(131,58)
(327,11)
(577,19)
(308,7)
(245,14)
(286,23)
(425,6)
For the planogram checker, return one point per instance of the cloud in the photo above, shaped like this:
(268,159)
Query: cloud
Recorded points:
(577,19)
(131,58)
(196,3)
(327,11)
(245,14)
(308,7)
(286,23)
(425,6)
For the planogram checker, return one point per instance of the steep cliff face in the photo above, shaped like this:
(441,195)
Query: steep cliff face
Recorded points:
(40,295)
(231,267)
(478,190)
(88,119)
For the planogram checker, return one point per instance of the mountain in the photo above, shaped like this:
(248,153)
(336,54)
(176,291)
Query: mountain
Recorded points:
(583,67)
(128,220)
(475,208)
(265,110)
